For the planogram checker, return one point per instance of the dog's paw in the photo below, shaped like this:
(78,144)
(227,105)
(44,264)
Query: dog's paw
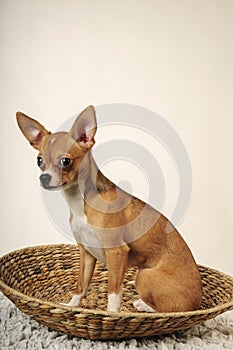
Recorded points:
(114,302)
(131,283)
(75,301)
(140,305)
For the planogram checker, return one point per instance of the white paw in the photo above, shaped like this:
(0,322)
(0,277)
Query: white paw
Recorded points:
(114,302)
(132,283)
(140,305)
(75,300)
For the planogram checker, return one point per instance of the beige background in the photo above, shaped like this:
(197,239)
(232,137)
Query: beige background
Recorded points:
(174,57)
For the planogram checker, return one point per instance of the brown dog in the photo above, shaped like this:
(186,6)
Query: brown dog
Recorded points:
(112,226)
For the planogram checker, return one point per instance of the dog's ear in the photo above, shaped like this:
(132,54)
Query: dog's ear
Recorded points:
(84,128)
(32,130)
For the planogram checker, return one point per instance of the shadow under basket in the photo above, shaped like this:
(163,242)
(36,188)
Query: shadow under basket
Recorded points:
(37,279)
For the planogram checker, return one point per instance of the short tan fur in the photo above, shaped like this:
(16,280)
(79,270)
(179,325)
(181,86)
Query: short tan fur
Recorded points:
(128,232)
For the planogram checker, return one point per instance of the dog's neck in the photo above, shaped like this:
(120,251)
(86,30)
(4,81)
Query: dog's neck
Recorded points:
(90,182)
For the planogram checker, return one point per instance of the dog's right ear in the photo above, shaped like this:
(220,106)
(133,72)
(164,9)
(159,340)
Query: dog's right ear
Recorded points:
(84,128)
(32,130)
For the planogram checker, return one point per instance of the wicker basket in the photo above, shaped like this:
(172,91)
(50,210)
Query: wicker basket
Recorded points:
(36,279)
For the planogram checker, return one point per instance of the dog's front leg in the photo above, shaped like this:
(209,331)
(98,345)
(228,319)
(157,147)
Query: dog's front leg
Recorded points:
(87,266)
(116,263)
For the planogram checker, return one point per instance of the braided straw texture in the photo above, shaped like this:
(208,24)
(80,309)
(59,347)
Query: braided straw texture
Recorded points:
(37,279)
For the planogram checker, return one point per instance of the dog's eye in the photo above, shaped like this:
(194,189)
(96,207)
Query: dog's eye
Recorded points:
(64,162)
(39,161)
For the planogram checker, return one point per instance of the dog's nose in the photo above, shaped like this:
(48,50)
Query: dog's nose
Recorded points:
(45,179)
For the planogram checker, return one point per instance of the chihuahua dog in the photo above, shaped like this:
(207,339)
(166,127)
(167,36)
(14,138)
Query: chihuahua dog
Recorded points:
(112,226)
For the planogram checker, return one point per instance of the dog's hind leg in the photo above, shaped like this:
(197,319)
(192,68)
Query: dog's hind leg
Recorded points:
(144,284)
(140,305)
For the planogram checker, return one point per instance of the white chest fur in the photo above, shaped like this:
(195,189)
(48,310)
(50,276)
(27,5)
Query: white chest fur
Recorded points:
(82,231)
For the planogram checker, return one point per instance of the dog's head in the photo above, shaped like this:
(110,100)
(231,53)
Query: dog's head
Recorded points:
(61,153)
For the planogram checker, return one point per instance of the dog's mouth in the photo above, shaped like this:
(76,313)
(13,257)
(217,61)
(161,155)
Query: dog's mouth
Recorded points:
(53,188)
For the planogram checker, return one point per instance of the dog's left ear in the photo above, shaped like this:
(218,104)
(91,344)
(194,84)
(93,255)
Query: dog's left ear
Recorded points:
(84,128)
(32,129)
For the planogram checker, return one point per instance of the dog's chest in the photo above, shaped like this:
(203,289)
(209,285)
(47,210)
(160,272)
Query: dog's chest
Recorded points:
(82,231)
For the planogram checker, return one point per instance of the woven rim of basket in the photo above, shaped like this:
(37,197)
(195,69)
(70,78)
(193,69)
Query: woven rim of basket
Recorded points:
(227,306)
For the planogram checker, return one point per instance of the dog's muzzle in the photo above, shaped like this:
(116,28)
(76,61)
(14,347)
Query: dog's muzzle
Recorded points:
(45,179)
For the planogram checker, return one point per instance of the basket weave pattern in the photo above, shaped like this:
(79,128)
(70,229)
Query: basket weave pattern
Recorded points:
(37,279)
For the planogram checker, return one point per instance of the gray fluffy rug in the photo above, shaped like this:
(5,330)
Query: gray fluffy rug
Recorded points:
(18,331)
